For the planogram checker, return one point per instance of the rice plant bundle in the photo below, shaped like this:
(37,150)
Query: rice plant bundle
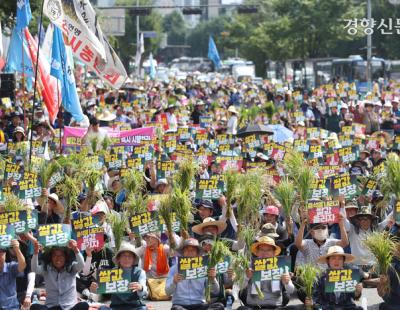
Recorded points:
(391,183)
(105,143)
(249,197)
(252,113)
(46,171)
(94,142)
(231,178)
(118,224)
(303,184)
(293,163)
(180,204)
(135,203)
(382,246)
(286,195)
(92,177)
(133,181)
(12,203)
(240,264)
(219,251)
(308,275)
(69,189)
(270,109)
(185,174)
(248,235)
(165,211)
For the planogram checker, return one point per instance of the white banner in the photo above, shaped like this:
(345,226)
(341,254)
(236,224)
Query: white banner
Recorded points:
(77,19)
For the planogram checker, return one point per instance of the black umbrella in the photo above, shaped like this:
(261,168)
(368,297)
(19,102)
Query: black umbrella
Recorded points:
(251,129)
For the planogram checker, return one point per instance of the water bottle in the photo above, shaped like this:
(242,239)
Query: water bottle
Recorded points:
(35,300)
(229,302)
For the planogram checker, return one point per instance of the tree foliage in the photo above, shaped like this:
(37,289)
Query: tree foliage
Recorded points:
(174,26)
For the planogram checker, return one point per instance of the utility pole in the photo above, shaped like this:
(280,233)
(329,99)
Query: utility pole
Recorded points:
(369,46)
(137,39)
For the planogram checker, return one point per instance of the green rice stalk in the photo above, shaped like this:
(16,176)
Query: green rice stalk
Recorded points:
(240,264)
(165,211)
(105,143)
(134,182)
(69,189)
(12,203)
(219,251)
(135,203)
(185,174)
(382,246)
(231,182)
(286,195)
(252,113)
(308,275)
(180,204)
(293,163)
(248,235)
(46,171)
(249,197)
(270,109)
(92,177)
(94,142)
(390,184)
(118,224)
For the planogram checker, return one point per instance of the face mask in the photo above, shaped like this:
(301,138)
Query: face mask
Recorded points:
(321,234)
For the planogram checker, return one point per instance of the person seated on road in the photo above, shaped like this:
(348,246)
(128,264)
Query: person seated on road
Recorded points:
(336,259)
(10,271)
(272,290)
(59,271)
(127,259)
(190,294)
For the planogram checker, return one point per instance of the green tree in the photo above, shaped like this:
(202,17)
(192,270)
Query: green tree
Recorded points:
(174,25)
(198,37)
(125,46)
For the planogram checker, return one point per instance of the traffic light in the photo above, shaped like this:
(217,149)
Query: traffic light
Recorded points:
(140,11)
(192,11)
(244,9)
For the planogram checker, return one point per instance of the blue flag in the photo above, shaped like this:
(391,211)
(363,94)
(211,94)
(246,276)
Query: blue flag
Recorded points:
(18,59)
(24,14)
(213,53)
(62,70)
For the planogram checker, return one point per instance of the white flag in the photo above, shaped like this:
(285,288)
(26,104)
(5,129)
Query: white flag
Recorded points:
(139,52)
(79,23)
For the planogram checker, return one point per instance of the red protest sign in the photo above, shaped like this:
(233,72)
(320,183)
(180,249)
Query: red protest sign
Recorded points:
(323,212)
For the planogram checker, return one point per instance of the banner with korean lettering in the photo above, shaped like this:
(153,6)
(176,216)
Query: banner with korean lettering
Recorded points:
(54,234)
(144,223)
(344,185)
(111,281)
(342,280)
(7,234)
(72,137)
(209,189)
(323,211)
(270,268)
(193,267)
(23,221)
(79,23)
(91,237)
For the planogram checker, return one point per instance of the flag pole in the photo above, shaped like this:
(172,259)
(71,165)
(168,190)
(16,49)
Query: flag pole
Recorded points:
(34,89)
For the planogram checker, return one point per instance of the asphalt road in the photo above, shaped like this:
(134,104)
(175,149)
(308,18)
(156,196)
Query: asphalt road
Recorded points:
(373,301)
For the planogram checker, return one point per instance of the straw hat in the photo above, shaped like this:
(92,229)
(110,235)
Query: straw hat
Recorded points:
(190,242)
(59,207)
(232,109)
(106,116)
(265,241)
(19,129)
(209,221)
(125,247)
(336,250)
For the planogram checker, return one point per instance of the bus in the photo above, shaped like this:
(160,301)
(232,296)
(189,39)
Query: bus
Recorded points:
(354,70)
(307,73)
(393,69)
